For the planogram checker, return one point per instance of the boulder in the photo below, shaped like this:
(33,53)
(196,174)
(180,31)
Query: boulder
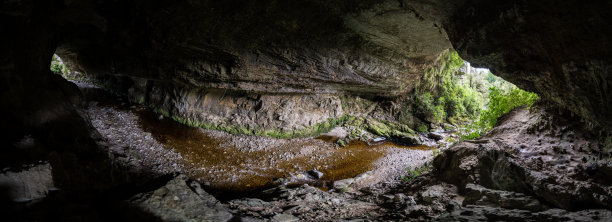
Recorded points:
(29,183)
(478,195)
(176,201)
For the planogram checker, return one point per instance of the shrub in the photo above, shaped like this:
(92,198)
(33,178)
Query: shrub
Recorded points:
(58,67)
(500,103)
(453,100)
(444,95)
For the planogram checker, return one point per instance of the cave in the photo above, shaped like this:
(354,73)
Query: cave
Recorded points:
(306,110)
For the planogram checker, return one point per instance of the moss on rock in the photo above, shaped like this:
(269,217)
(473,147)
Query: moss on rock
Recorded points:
(378,127)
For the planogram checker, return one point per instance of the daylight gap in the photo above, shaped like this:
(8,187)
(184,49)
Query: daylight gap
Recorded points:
(470,98)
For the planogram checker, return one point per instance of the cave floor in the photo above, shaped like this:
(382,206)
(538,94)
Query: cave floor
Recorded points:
(234,165)
(531,167)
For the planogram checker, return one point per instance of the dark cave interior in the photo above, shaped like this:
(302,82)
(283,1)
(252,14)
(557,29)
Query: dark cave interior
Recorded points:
(170,104)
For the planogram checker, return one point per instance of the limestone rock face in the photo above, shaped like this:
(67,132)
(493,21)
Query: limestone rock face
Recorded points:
(536,157)
(561,50)
(483,213)
(369,48)
(248,111)
(366,47)
(308,51)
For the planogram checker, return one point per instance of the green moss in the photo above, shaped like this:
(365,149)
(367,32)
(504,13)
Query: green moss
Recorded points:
(353,123)
(422,128)
(391,130)
(141,100)
(378,128)
(416,172)
(314,130)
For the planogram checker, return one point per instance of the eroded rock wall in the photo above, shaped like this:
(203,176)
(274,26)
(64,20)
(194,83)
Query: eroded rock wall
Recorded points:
(264,46)
(301,52)
(535,154)
(239,111)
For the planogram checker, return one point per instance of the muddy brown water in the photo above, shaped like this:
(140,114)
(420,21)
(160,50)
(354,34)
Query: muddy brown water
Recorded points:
(229,169)
(223,168)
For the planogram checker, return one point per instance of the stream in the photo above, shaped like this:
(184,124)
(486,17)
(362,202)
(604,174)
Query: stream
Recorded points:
(226,163)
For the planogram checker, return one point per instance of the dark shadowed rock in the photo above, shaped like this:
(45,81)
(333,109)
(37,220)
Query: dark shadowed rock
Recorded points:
(32,182)
(478,195)
(315,173)
(558,49)
(176,201)
(482,213)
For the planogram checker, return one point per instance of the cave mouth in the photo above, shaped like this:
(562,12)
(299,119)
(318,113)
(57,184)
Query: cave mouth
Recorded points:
(470,98)
(454,94)
(229,164)
(312,99)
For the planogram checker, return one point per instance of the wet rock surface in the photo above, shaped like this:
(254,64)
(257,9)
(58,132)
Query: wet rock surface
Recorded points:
(305,203)
(483,213)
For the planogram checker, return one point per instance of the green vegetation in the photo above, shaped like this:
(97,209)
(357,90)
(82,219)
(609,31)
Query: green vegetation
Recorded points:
(436,152)
(500,102)
(442,97)
(58,67)
(307,132)
(422,129)
(472,101)
(416,171)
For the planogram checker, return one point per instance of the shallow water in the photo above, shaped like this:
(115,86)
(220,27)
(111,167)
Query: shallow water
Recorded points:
(224,167)
(210,157)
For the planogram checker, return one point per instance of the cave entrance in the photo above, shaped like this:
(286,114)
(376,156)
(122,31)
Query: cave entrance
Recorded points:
(466,98)
(494,97)
(228,165)
(64,68)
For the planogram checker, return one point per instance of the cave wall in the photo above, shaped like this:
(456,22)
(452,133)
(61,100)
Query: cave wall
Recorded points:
(314,49)
(559,49)
(237,111)
(41,114)
(263,46)
(302,52)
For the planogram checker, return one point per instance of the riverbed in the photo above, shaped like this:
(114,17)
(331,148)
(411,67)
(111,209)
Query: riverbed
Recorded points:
(227,163)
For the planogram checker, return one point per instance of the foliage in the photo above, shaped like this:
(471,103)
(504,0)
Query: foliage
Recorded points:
(58,67)
(490,77)
(500,103)
(447,95)
(441,96)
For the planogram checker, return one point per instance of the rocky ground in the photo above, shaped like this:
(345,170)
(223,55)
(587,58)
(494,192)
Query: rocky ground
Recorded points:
(531,167)
(238,162)
(328,180)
